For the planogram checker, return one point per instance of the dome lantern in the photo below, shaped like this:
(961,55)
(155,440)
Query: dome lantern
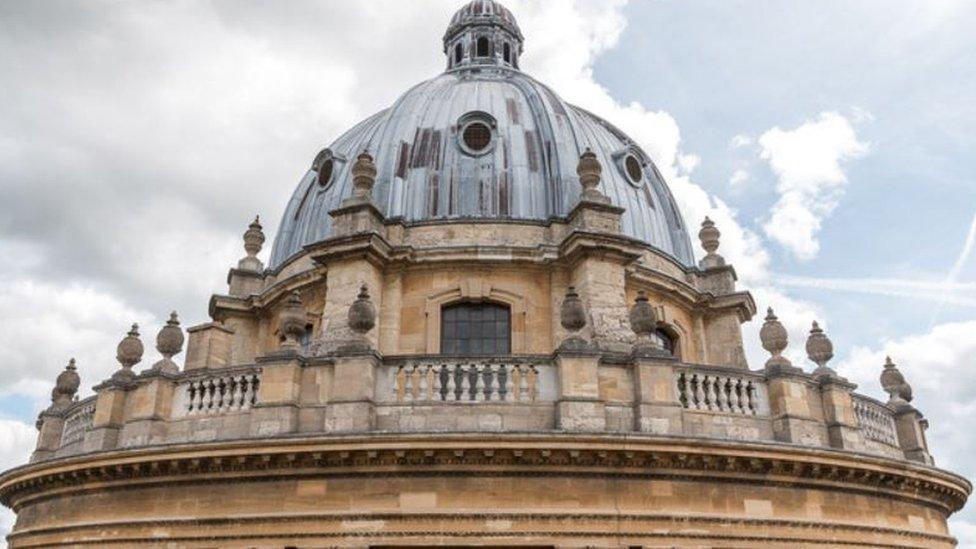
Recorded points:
(483,32)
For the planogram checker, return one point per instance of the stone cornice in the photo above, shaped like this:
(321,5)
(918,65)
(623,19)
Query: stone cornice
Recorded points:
(442,454)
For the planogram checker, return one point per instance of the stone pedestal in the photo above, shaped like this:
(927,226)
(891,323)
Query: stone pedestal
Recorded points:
(243,282)
(109,417)
(656,409)
(208,346)
(843,430)
(51,426)
(277,411)
(789,407)
(148,408)
(351,407)
(910,426)
(578,406)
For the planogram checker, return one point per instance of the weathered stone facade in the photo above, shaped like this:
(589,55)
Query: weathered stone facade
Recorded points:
(316,409)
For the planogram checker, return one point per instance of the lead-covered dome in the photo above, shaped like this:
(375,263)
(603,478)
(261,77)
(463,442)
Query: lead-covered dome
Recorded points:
(483,141)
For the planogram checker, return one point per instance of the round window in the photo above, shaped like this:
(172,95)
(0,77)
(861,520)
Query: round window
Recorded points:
(325,171)
(476,137)
(634,169)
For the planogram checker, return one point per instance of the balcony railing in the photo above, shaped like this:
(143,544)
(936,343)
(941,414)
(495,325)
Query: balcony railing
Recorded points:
(712,390)
(877,420)
(218,393)
(458,380)
(77,421)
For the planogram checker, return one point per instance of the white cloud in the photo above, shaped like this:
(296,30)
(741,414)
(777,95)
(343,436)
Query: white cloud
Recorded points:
(740,140)
(808,162)
(739,178)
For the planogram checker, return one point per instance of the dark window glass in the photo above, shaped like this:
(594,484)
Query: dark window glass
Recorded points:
(482,47)
(507,53)
(458,53)
(634,169)
(665,340)
(477,136)
(476,329)
(325,172)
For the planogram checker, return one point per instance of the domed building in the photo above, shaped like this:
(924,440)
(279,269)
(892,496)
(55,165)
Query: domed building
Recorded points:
(482,324)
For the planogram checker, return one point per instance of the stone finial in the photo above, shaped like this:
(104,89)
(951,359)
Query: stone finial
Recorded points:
(363,177)
(129,353)
(572,317)
(643,321)
(774,339)
(820,350)
(292,321)
(589,171)
(169,342)
(253,242)
(709,236)
(362,313)
(66,386)
(893,382)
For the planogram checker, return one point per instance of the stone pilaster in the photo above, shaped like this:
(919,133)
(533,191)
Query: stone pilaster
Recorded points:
(277,411)
(843,430)
(148,408)
(208,347)
(578,405)
(657,409)
(790,407)
(351,406)
(50,426)
(109,416)
(910,426)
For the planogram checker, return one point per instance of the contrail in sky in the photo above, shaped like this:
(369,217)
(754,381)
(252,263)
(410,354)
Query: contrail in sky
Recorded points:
(967,250)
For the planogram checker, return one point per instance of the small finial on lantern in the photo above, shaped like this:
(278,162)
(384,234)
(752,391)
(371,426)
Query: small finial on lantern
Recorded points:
(589,171)
(709,235)
(253,242)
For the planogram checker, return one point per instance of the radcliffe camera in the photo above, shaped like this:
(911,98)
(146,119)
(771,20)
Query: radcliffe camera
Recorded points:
(613,274)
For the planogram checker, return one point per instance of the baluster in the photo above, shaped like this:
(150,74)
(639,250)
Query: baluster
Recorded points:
(709,382)
(195,397)
(247,391)
(451,383)
(408,380)
(682,386)
(435,373)
(423,388)
(493,388)
(400,384)
(465,382)
(533,376)
(223,387)
(735,396)
(751,406)
(722,384)
(509,384)
(418,377)
(517,378)
(479,381)
(699,393)
(235,393)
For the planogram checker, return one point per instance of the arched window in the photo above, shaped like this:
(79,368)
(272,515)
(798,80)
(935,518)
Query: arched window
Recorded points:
(482,47)
(483,329)
(458,53)
(666,340)
(507,52)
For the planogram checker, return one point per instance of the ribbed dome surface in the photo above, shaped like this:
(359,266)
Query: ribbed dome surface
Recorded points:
(485,142)
(480,12)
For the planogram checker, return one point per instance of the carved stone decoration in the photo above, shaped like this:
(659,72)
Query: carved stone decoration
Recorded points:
(253,242)
(572,317)
(709,236)
(66,386)
(128,353)
(643,321)
(362,313)
(589,172)
(363,177)
(774,339)
(169,342)
(820,350)
(893,383)
(291,322)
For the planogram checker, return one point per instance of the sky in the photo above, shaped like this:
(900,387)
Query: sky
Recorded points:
(830,140)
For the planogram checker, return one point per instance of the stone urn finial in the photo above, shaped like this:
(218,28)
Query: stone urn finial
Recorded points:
(363,177)
(820,350)
(128,353)
(893,383)
(643,321)
(65,386)
(709,236)
(292,321)
(589,171)
(774,339)
(253,242)
(169,342)
(572,317)
(362,313)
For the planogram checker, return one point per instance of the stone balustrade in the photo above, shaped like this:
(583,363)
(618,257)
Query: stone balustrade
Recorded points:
(466,381)
(877,421)
(218,393)
(450,394)
(77,421)
(709,389)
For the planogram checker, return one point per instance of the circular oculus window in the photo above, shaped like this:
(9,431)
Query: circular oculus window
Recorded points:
(476,137)
(635,172)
